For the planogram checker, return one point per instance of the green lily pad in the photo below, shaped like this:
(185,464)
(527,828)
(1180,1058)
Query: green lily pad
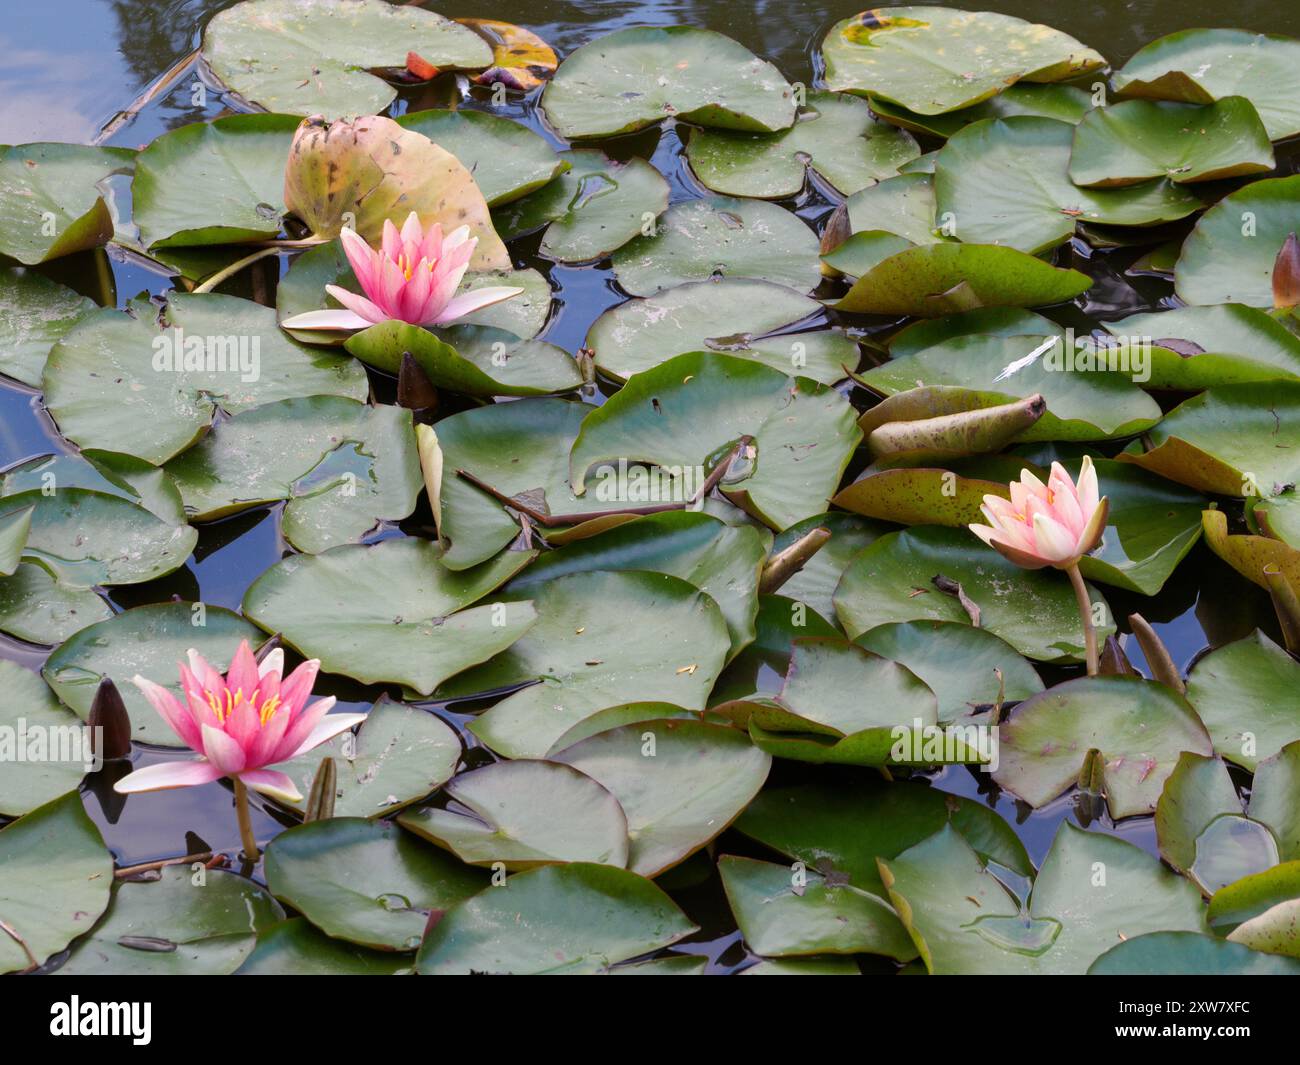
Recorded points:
(594,207)
(1194,794)
(902,205)
(935,59)
(177,925)
(960,664)
(1006,181)
(1230,847)
(54,199)
(219,182)
(1140,728)
(55,874)
(1278,517)
(717,236)
(815,583)
(690,410)
(836,137)
(30,782)
(295,948)
(367,882)
(602,639)
(1188,954)
(933,280)
(35,313)
(1253,895)
(398,755)
(681,784)
(112,381)
(1137,140)
(827,966)
(573,919)
(723,561)
(1033,610)
(634,78)
(864,251)
(849,824)
(988,321)
(150,641)
(1273,798)
(1229,255)
(781,913)
(1082,405)
(1275,931)
(342,466)
(1241,692)
(918,496)
(14,530)
(1202,65)
(1092,891)
(1238,343)
(1065,103)
(526,813)
(390,612)
(35,607)
(308,57)
(508,160)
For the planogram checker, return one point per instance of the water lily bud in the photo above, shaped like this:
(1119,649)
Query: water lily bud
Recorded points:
(362,173)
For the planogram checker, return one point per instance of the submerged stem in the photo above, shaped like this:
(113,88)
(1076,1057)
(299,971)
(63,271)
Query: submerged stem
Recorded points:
(234,268)
(245,821)
(1085,614)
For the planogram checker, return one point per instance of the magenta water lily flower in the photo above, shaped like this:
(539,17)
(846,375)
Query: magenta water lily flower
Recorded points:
(240,723)
(412,278)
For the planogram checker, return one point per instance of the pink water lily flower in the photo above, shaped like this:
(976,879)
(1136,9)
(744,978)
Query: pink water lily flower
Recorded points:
(240,723)
(412,278)
(1052,524)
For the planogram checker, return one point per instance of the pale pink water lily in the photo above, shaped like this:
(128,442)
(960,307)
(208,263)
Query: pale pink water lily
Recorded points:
(412,278)
(240,723)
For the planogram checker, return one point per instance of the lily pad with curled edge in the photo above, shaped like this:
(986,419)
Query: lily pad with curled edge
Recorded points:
(520,59)
(634,78)
(55,875)
(1244,692)
(902,205)
(367,882)
(1229,255)
(718,236)
(596,206)
(934,59)
(968,669)
(730,317)
(295,948)
(1188,954)
(1275,798)
(1200,347)
(1006,181)
(835,137)
(602,639)
(681,784)
(578,918)
(864,251)
(218,182)
(507,160)
(693,409)
(1033,610)
(112,382)
(31,782)
(54,198)
(1254,557)
(308,57)
(758,672)
(1194,794)
(525,813)
(150,641)
(934,280)
(502,367)
(1139,727)
(847,824)
(989,321)
(784,913)
(1276,931)
(1252,895)
(1066,103)
(1081,405)
(964,920)
(389,612)
(1234,440)
(35,313)
(815,581)
(398,756)
(918,496)
(1137,140)
(1278,517)
(723,561)
(176,925)
(342,466)
(1203,65)
(14,530)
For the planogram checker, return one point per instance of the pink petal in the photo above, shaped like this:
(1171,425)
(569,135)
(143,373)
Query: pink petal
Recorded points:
(361,257)
(468,302)
(1055,542)
(168,775)
(416,294)
(327,729)
(222,751)
(345,320)
(266,744)
(242,675)
(370,311)
(300,726)
(391,244)
(178,718)
(272,663)
(1087,490)
(272,782)
(207,675)
(297,686)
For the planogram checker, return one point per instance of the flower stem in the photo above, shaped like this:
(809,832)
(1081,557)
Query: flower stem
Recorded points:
(234,268)
(1085,613)
(245,822)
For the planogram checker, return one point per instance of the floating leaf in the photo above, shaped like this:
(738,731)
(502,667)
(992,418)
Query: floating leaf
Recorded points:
(295,948)
(1188,954)
(815,582)
(1065,103)
(918,496)
(902,205)
(520,59)
(1229,848)
(30,706)
(1253,895)
(35,313)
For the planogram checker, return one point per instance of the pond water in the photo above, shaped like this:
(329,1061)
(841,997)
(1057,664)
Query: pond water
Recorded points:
(69,66)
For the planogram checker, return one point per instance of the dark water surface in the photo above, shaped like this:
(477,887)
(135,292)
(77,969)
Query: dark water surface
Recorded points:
(68,66)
